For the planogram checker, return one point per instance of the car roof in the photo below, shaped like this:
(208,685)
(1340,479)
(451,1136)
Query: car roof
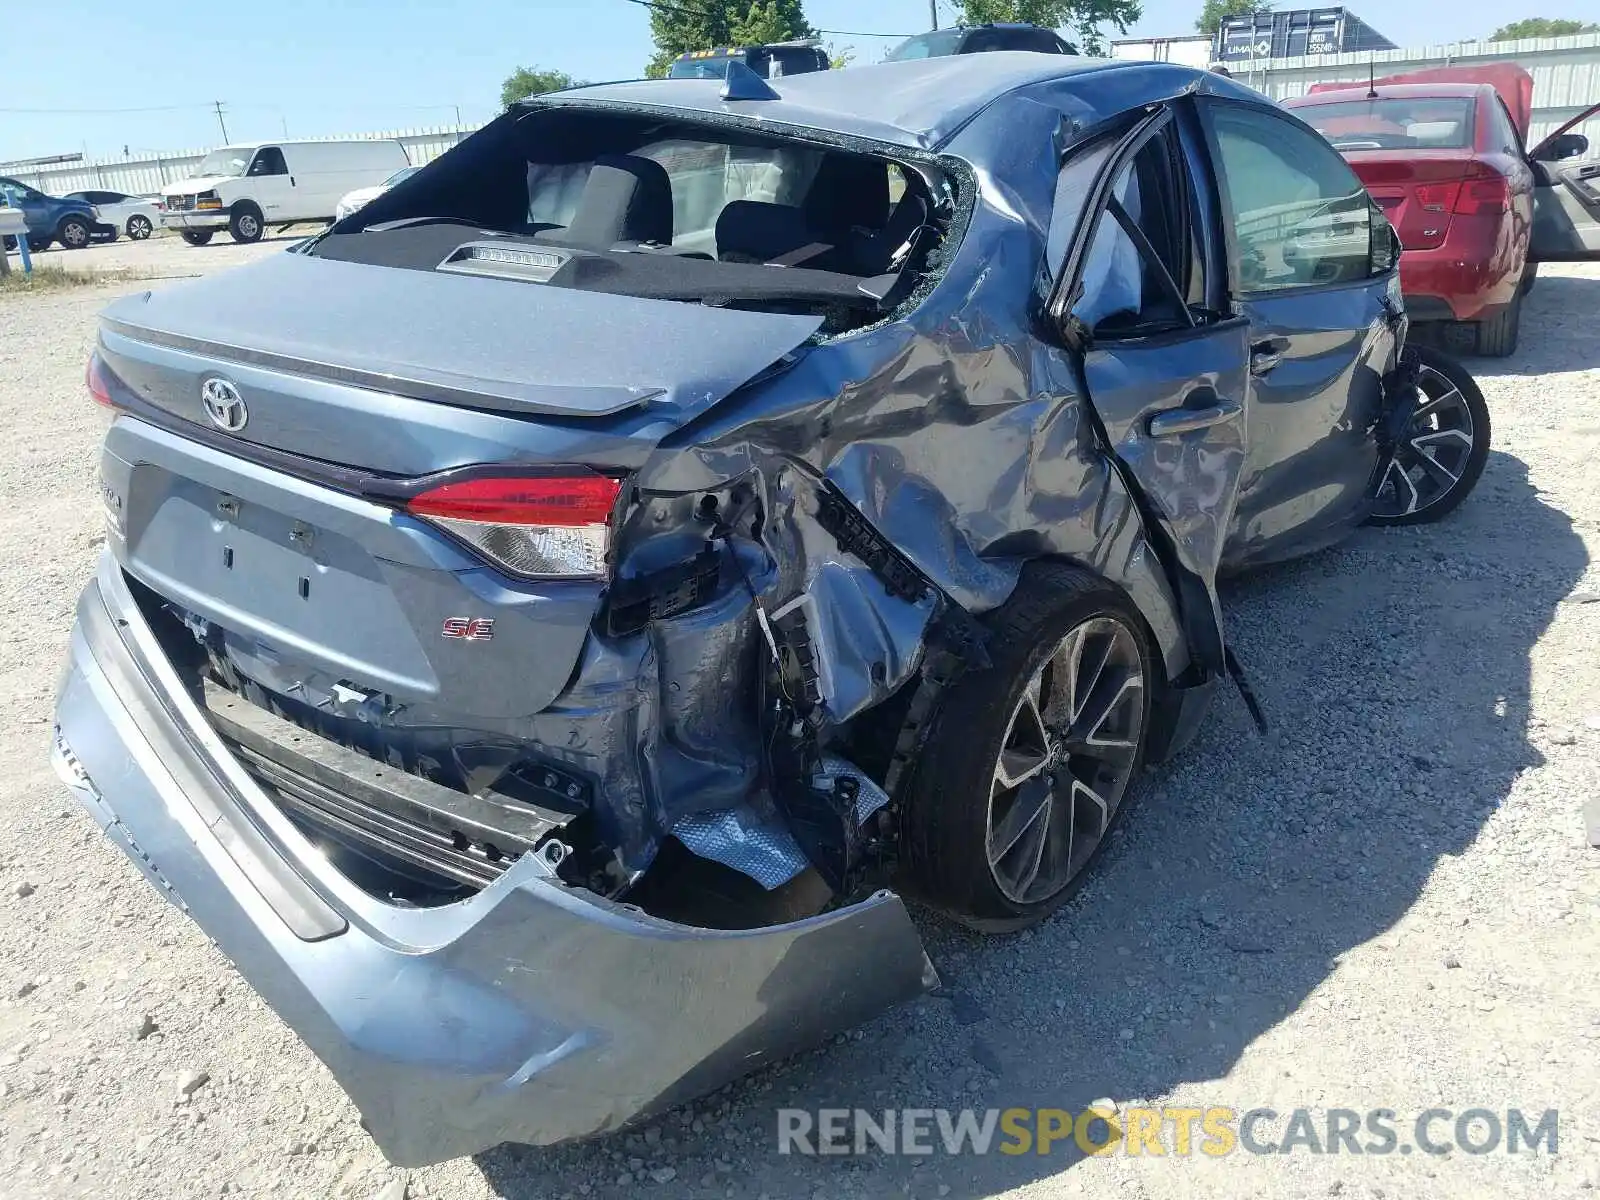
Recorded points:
(918,103)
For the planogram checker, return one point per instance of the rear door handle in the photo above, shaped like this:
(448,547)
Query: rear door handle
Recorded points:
(1186,420)
(1266,354)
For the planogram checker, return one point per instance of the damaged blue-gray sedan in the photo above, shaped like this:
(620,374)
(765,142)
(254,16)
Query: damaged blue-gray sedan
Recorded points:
(549,619)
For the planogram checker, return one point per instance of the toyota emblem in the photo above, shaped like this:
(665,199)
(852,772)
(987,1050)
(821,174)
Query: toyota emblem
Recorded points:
(223,404)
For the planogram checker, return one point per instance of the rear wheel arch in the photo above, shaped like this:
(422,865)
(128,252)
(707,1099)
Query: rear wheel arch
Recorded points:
(1134,592)
(1154,601)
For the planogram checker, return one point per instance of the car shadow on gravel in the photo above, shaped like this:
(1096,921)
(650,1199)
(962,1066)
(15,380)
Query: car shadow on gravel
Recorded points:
(1557,332)
(1394,670)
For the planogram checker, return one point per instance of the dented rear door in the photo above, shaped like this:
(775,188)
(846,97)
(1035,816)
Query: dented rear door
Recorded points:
(1167,377)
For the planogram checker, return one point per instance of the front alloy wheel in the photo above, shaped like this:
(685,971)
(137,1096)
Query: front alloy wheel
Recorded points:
(1443,450)
(1067,759)
(74,233)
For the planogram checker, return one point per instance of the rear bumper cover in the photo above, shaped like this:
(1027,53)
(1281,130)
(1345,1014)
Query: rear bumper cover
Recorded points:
(531,1012)
(1467,278)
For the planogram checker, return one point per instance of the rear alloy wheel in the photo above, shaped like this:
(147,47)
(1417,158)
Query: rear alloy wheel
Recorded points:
(1443,450)
(196,237)
(73,233)
(1031,759)
(139,227)
(1066,761)
(245,224)
(1497,337)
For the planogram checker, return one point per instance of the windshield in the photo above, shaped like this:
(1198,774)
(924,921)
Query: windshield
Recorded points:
(18,189)
(674,210)
(933,44)
(1394,123)
(229,160)
(794,60)
(711,68)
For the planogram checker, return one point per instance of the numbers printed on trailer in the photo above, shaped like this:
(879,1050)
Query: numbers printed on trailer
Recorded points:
(472,629)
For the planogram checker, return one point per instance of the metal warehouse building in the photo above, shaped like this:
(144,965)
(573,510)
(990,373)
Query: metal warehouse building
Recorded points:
(1565,70)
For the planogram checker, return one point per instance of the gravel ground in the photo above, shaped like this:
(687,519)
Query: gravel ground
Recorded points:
(1386,903)
(162,257)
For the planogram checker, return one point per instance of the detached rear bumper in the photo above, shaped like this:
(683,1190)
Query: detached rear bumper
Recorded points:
(532,1012)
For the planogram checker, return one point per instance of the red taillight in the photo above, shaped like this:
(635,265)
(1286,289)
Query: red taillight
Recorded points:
(535,526)
(1436,197)
(536,500)
(94,377)
(1484,191)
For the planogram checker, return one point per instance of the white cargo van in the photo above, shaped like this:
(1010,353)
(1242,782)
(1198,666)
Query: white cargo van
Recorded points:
(246,188)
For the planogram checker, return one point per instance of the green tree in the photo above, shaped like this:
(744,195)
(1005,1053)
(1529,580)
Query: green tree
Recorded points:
(533,81)
(1541,27)
(1217,11)
(707,24)
(1082,18)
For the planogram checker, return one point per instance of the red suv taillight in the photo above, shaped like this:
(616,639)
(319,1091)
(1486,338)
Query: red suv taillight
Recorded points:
(94,378)
(532,526)
(1484,191)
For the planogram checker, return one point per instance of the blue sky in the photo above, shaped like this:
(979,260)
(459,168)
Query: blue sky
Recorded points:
(334,66)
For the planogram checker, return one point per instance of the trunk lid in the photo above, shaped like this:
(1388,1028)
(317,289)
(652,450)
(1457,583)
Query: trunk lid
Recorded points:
(349,371)
(486,344)
(1417,192)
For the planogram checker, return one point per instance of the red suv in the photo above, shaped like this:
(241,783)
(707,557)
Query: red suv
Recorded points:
(1442,152)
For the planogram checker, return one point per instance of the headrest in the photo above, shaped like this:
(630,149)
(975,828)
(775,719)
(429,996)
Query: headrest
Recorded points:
(846,193)
(627,198)
(755,231)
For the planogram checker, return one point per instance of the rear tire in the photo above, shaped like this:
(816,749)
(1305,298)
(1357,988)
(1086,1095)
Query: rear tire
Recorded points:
(1443,450)
(196,237)
(1530,276)
(245,225)
(139,227)
(1497,337)
(1057,727)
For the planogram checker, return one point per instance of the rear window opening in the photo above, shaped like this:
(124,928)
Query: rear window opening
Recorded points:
(661,209)
(1394,123)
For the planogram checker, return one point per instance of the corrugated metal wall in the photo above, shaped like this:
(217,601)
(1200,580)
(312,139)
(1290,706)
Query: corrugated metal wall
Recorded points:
(145,173)
(1565,70)
(1185,51)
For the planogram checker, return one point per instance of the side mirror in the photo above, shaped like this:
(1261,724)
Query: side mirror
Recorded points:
(1567,145)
